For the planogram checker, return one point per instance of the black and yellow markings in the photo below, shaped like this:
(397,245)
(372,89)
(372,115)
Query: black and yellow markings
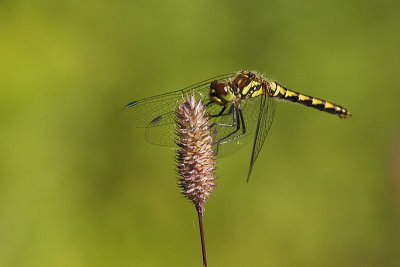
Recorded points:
(278,91)
(252,89)
(318,103)
(259,91)
(329,107)
(291,96)
(246,85)
(305,100)
(281,92)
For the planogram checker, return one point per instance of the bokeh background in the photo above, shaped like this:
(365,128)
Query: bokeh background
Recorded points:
(78,189)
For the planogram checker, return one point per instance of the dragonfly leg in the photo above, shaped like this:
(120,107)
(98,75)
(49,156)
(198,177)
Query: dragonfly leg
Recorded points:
(230,112)
(220,113)
(240,118)
(236,122)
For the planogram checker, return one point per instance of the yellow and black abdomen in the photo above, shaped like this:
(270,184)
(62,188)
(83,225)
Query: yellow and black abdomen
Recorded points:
(276,90)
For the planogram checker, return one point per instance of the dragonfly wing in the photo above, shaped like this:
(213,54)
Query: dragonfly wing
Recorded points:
(265,118)
(149,111)
(161,130)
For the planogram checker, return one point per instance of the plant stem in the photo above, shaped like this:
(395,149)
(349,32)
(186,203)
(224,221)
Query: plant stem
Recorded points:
(203,244)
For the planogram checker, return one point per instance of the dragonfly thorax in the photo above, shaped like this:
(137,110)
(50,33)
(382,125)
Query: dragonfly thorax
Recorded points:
(247,84)
(243,85)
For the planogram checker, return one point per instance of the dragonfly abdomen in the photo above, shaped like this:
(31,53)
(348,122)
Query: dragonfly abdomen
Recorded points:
(276,90)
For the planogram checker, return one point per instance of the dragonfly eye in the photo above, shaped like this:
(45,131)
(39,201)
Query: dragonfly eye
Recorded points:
(220,93)
(221,89)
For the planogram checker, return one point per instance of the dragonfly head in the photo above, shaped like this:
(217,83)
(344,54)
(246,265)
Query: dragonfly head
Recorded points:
(221,93)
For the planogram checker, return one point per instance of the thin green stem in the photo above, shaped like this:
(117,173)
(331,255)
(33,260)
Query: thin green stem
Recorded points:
(203,244)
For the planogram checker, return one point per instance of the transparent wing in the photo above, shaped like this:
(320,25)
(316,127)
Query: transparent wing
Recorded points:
(250,109)
(158,110)
(162,132)
(265,118)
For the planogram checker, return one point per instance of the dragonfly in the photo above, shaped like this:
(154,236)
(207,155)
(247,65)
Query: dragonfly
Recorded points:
(241,107)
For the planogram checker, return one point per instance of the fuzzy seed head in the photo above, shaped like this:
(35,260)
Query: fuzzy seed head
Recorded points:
(195,156)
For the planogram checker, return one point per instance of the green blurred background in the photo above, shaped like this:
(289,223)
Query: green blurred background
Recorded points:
(78,189)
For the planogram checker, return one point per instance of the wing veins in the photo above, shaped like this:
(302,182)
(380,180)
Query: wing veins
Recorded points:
(265,119)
